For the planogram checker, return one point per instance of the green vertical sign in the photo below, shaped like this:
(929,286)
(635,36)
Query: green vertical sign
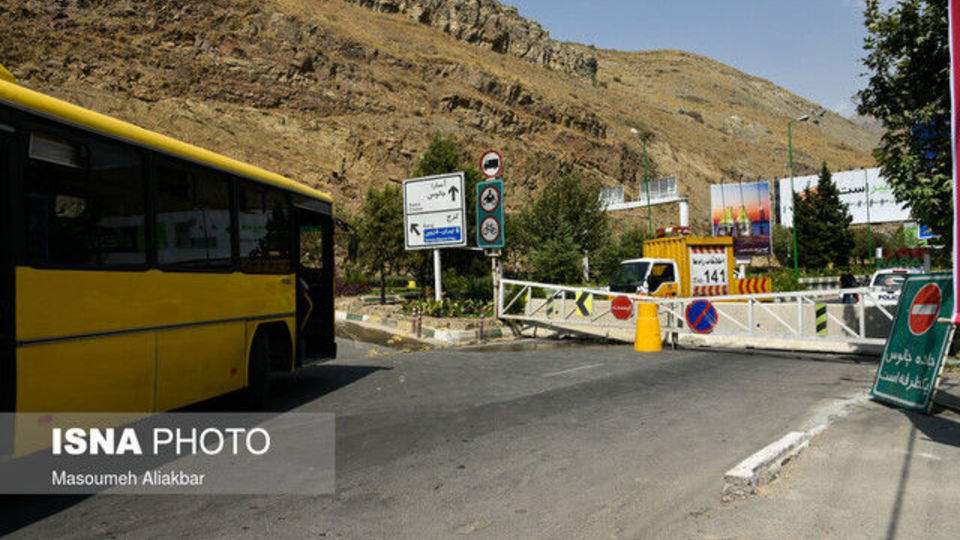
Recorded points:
(914,352)
(490,214)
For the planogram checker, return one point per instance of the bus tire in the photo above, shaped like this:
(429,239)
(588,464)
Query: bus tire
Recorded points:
(256,396)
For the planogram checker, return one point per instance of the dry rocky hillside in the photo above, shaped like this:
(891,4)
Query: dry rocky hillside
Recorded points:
(346,94)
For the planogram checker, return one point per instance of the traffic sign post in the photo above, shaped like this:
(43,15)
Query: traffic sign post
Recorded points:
(490,214)
(434,217)
(701,316)
(583,303)
(622,307)
(434,212)
(913,356)
(491,164)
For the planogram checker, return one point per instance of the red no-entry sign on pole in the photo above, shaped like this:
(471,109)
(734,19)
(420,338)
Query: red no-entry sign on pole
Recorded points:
(924,309)
(622,307)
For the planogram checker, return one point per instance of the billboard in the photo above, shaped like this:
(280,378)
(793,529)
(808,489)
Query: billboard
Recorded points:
(611,196)
(660,189)
(857,188)
(743,212)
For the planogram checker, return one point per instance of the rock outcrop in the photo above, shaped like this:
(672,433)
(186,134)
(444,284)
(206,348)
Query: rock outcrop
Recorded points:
(339,96)
(492,25)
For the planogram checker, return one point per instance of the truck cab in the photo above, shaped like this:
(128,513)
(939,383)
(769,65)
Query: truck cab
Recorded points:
(654,277)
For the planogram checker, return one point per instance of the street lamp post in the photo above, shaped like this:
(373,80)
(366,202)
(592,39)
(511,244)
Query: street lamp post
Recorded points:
(796,262)
(646,179)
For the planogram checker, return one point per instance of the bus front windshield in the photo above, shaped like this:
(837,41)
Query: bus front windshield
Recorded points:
(631,273)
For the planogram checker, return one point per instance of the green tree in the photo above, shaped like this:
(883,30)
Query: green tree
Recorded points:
(557,259)
(823,225)
(565,214)
(866,240)
(381,233)
(783,242)
(811,233)
(605,262)
(834,213)
(908,59)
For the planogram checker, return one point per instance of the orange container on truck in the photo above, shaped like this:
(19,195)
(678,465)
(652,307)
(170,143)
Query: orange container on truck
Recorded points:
(680,266)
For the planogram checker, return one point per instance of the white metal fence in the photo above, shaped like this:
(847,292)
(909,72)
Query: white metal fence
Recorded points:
(790,316)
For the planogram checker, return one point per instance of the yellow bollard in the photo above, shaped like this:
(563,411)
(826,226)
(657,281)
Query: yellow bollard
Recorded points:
(647,338)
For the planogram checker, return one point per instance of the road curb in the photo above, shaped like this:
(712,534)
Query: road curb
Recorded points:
(762,467)
(435,335)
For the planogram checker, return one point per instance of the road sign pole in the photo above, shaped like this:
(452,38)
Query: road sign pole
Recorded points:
(497,271)
(437,282)
(866,190)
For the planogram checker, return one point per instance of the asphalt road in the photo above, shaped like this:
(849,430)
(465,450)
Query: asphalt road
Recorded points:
(580,441)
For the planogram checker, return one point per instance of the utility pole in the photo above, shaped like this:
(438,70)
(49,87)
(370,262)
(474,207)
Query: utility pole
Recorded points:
(646,177)
(796,261)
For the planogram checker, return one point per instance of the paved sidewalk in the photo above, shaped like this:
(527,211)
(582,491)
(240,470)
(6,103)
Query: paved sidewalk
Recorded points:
(879,473)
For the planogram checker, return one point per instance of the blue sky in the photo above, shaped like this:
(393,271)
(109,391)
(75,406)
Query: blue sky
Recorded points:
(810,47)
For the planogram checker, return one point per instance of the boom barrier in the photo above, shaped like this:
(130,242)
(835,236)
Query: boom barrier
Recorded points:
(802,320)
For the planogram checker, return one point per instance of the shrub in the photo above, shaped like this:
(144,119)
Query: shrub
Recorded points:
(784,281)
(473,287)
(450,308)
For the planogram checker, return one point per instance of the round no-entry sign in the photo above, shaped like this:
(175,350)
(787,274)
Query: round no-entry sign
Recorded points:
(701,316)
(924,309)
(622,307)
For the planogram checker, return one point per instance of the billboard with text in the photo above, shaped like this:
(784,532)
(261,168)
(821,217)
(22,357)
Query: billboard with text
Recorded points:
(859,189)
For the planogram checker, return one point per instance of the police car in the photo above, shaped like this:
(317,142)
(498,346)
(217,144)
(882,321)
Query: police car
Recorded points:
(886,285)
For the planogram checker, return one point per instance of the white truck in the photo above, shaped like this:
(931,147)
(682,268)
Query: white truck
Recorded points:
(656,277)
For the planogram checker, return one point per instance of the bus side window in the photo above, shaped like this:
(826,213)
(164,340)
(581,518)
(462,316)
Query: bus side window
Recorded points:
(265,241)
(193,217)
(83,203)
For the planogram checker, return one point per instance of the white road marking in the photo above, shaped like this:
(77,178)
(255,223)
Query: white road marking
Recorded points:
(564,372)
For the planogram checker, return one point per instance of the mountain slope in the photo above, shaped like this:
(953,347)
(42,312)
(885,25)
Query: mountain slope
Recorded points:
(343,96)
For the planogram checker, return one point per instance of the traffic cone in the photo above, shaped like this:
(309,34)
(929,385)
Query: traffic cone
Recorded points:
(647,338)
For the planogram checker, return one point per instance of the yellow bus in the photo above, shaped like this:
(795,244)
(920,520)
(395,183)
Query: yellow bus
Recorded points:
(141,273)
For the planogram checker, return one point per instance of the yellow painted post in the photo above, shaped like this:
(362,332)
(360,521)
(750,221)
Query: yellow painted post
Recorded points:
(647,338)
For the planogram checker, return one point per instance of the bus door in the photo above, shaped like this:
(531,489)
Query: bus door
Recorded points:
(315,326)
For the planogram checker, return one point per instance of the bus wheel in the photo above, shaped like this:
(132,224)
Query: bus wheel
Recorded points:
(256,396)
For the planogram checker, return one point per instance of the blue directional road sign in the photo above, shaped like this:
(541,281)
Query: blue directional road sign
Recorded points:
(701,316)
(442,234)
